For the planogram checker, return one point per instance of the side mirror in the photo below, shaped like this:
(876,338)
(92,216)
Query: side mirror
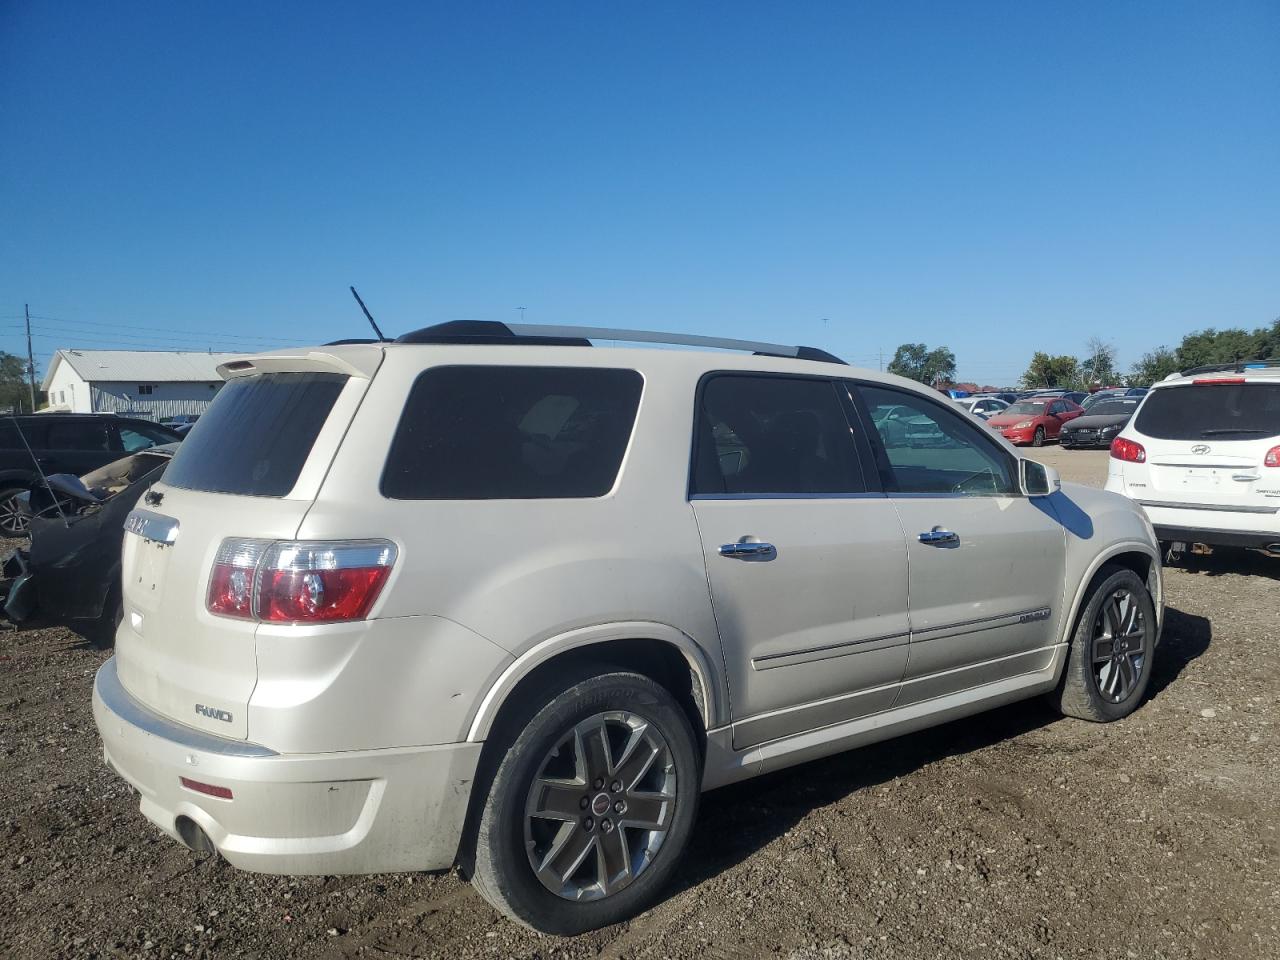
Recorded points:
(1037,479)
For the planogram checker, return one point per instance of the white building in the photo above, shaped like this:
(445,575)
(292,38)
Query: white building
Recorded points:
(147,383)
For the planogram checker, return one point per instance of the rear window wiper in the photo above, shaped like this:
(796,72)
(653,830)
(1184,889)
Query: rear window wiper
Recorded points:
(1214,433)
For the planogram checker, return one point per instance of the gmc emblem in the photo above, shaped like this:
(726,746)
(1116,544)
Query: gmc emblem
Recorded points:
(213,713)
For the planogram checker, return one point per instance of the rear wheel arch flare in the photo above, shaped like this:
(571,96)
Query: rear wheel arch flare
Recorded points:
(667,663)
(680,667)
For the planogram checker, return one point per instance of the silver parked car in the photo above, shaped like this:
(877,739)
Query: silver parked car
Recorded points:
(495,597)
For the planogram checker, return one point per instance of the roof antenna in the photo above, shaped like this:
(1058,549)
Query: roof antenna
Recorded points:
(372,322)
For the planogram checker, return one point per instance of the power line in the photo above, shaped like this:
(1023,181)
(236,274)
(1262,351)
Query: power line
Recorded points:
(70,335)
(97,324)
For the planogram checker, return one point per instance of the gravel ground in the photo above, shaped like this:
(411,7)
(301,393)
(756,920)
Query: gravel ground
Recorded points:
(1013,834)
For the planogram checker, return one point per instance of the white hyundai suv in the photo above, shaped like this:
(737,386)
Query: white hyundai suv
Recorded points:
(498,597)
(1202,457)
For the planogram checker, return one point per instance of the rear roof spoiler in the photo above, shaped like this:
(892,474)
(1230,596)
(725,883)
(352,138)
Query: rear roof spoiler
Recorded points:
(354,360)
(1237,366)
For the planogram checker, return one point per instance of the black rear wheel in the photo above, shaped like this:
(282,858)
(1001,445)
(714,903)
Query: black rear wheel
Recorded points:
(591,805)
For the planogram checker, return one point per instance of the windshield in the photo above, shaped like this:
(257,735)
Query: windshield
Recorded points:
(1032,407)
(1113,408)
(1240,411)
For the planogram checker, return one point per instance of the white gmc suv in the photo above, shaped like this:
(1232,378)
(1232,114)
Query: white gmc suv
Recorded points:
(496,597)
(1202,457)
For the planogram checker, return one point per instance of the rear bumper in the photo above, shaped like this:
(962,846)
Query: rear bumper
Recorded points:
(1216,538)
(363,811)
(1069,441)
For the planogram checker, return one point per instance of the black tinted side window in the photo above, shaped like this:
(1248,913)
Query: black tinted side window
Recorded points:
(512,433)
(773,435)
(77,435)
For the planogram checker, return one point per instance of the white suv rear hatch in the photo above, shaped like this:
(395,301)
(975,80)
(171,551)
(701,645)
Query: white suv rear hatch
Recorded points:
(249,468)
(1208,447)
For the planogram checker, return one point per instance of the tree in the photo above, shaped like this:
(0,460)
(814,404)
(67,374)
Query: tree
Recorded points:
(1047,371)
(1155,365)
(15,391)
(1221,346)
(1098,365)
(917,362)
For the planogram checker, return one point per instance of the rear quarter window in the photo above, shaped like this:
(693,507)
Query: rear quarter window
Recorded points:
(1238,411)
(512,433)
(256,435)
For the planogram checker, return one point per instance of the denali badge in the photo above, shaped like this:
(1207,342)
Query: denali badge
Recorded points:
(213,713)
(1201,448)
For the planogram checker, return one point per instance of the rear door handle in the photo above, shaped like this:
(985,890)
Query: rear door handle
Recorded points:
(748,548)
(937,537)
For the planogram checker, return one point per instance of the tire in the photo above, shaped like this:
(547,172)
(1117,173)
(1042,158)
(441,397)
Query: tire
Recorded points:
(552,740)
(1099,682)
(13,523)
(1037,440)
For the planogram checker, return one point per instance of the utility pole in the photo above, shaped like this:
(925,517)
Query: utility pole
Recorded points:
(522,310)
(31,360)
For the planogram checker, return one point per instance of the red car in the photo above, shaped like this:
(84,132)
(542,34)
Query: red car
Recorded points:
(1035,420)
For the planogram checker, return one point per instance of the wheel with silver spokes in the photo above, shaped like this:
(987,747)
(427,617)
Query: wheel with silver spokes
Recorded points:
(1110,658)
(13,519)
(591,803)
(1119,647)
(600,807)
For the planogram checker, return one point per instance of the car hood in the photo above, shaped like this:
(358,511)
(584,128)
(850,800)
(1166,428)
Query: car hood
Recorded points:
(1095,421)
(1009,419)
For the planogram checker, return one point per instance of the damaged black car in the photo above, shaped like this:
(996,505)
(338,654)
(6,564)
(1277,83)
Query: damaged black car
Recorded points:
(70,574)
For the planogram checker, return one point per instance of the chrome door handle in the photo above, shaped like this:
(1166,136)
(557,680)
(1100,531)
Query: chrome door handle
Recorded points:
(937,537)
(746,549)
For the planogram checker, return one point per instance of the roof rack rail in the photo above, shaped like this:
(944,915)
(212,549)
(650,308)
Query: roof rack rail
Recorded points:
(1236,366)
(533,334)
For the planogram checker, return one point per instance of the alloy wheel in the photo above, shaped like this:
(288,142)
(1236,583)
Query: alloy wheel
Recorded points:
(1119,645)
(13,522)
(600,806)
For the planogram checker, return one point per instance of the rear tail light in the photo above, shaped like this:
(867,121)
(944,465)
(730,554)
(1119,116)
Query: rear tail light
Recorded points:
(1128,450)
(1212,381)
(299,582)
(1272,459)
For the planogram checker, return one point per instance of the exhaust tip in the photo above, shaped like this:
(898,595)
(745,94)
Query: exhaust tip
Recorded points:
(195,839)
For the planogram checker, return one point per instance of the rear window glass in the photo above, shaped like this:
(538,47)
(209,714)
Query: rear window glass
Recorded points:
(1227,411)
(512,433)
(256,435)
(1113,408)
(1031,407)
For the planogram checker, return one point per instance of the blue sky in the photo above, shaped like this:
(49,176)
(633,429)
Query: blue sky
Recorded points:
(997,178)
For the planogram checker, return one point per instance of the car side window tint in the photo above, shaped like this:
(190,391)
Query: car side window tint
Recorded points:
(512,433)
(77,435)
(930,449)
(763,435)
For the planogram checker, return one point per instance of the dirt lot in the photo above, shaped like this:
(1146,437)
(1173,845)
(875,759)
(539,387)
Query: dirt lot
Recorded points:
(1014,834)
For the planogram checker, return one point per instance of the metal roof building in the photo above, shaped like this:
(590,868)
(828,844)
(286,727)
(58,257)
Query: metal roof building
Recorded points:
(148,383)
